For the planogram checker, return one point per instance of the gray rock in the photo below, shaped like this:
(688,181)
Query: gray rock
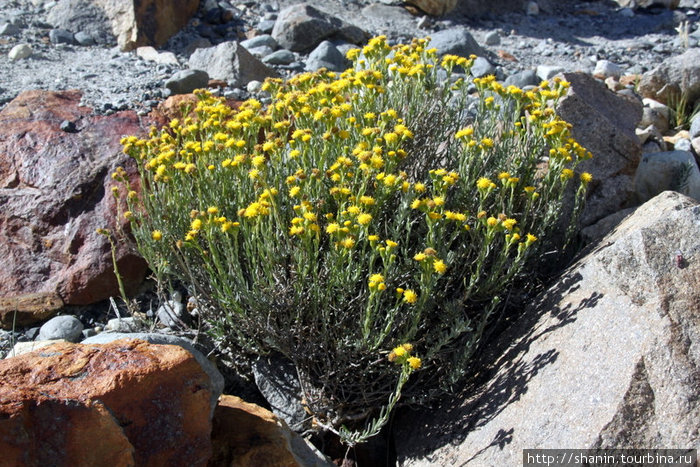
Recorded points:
(9,29)
(377,12)
(217,381)
(230,62)
(279,57)
(647,3)
(259,41)
(265,26)
(455,41)
(84,38)
(663,171)
(606,358)
(82,15)
(326,55)
(124,325)
(61,36)
(676,76)
(532,9)
(173,312)
(548,71)
(695,126)
(522,79)
(492,38)
(253,86)
(683,144)
(186,81)
(655,114)
(482,67)
(606,69)
(61,327)
(150,54)
(26,347)
(277,380)
(603,122)
(260,52)
(596,232)
(302,27)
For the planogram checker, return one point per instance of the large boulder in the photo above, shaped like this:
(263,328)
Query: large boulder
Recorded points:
(133,23)
(231,62)
(124,403)
(302,27)
(676,76)
(216,380)
(604,122)
(56,191)
(662,171)
(246,435)
(607,357)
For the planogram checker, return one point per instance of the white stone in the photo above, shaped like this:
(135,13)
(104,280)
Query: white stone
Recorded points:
(19,52)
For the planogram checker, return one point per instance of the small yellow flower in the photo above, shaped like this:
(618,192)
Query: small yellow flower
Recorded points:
(364,219)
(483,183)
(414,362)
(157,235)
(566,174)
(128,215)
(586,178)
(391,244)
(440,266)
(196,224)
(213,210)
(409,296)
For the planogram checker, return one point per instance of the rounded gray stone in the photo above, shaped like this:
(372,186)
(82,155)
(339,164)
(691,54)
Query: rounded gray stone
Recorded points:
(61,327)
(186,81)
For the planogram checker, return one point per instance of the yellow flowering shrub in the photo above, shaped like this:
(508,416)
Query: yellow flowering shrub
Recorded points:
(356,213)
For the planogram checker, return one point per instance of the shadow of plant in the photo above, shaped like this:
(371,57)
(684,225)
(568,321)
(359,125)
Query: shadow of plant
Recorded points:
(501,377)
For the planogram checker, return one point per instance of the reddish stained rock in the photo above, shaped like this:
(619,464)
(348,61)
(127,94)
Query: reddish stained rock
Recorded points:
(55,189)
(25,310)
(246,435)
(133,402)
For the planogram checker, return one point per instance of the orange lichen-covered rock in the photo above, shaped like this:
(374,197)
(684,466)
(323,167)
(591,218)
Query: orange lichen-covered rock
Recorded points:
(246,435)
(127,402)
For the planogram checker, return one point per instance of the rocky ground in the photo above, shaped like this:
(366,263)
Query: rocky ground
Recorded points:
(573,35)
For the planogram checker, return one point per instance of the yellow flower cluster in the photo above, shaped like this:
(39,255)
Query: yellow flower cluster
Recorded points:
(401,355)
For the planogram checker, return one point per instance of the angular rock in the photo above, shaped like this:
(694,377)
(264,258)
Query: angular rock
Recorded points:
(25,310)
(230,62)
(606,68)
(455,41)
(674,170)
(302,27)
(152,55)
(548,71)
(482,67)
(606,358)
(55,189)
(186,81)
(246,435)
(326,55)
(132,402)
(216,380)
(86,16)
(133,23)
(8,29)
(434,7)
(603,122)
(61,36)
(376,12)
(64,327)
(676,76)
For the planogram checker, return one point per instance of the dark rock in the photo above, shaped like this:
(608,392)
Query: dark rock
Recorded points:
(302,27)
(61,36)
(326,55)
(277,380)
(455,41)
(68,126)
